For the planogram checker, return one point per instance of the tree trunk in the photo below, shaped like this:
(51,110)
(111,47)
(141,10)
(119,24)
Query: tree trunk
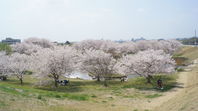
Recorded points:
(149,79)
(98,78)
(55,83)
(21,81)
(105,83)
(56,78)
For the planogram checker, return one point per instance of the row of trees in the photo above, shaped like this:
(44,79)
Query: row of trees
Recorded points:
(129,47)
(99,58)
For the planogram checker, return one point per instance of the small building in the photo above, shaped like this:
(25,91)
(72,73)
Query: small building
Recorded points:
(11,41)
(138,39)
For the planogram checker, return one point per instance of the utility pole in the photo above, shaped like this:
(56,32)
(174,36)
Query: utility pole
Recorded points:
(195,37)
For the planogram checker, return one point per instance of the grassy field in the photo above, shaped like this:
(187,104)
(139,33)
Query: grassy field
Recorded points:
(14,97)
(179,93)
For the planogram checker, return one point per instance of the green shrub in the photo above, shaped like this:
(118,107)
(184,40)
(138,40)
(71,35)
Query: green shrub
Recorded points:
(57,96)
(39,97)
(93,96)
(153,96)
(180,69)
(6,48)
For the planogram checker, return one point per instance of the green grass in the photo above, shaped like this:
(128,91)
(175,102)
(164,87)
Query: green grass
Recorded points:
(81,89)
(82,97)
(29,91)
(84,91)
(2,104)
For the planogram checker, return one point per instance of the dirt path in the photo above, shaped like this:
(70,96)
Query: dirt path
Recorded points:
(183,98)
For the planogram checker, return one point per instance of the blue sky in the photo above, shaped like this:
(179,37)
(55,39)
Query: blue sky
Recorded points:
(75,20)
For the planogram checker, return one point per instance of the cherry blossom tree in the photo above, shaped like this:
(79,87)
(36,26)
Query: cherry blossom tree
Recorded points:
(99,58)
(107,46)
(127,48)
(25,48)
(18,64)
(55,63)
(88,44)
(3,63)
(44,43)
(143,45)
(98,64)
(111,48)
(32,45)
(148,63)
(168,46)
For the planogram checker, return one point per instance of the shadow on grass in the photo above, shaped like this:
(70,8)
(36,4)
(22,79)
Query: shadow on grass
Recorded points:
(66,89)
(17,82)
(169,82)
(82,85)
